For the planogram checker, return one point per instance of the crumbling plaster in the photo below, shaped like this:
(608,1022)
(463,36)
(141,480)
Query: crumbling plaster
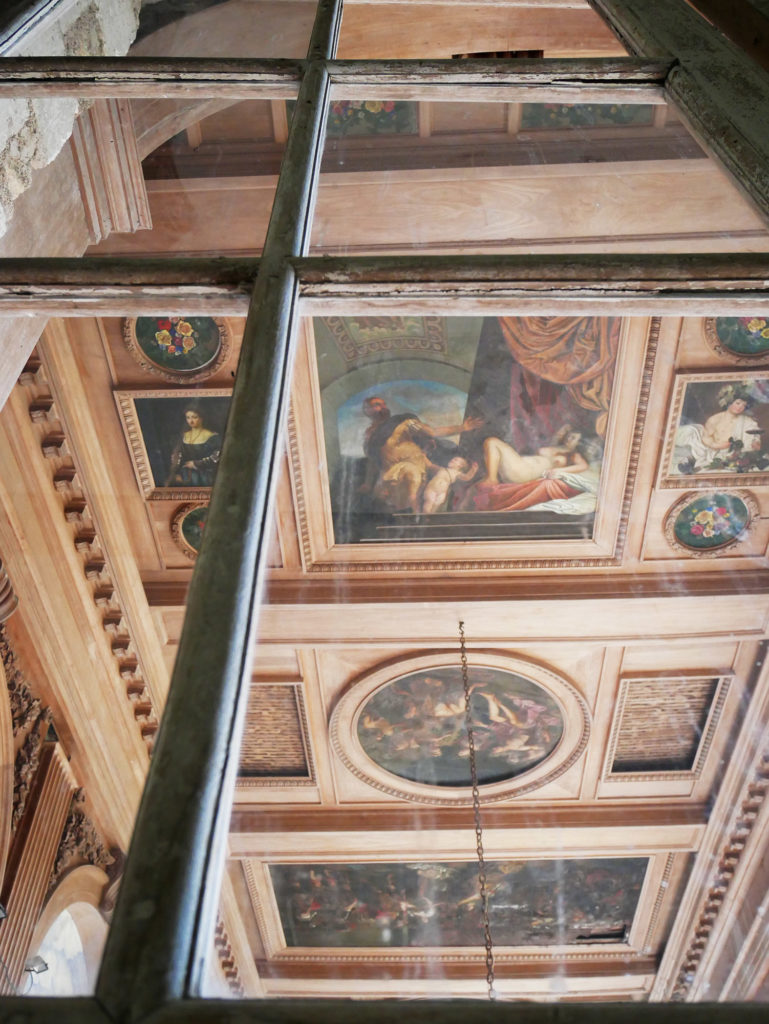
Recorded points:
(33,132)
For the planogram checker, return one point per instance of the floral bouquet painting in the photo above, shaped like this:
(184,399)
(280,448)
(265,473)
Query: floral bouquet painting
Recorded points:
(176,344)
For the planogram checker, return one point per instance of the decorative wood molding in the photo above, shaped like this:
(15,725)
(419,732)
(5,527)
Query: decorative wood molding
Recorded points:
(65,480)
(25,706)
(31,860)
(9,601)
(109,169)
(652,342)
(80,843)
(325,590)
(752,799)
(293,820)
(227,962)
(648,946)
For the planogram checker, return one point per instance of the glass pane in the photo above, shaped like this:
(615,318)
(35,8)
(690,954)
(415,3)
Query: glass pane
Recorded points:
(212,28)
(141,177)
(440,30)
(524,476)
(462,177)
(108,449)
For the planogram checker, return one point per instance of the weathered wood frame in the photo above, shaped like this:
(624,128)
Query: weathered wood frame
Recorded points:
(153,960)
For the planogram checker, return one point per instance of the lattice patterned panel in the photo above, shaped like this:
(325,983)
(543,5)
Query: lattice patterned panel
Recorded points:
(275,745)
(665,724)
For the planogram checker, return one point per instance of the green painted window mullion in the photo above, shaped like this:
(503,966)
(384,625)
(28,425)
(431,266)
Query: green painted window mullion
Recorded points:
(721,93)
(163,924)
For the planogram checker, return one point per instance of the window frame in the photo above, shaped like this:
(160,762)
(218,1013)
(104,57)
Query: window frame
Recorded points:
(156,948)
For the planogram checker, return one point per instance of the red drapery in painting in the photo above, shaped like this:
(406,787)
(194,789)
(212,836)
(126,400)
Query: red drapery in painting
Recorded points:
(576,352)
(518,497)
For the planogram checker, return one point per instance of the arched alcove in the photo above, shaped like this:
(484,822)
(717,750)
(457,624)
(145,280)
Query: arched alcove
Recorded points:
(70,935)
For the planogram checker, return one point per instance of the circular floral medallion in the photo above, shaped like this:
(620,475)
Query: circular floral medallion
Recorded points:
(177,347)
(706,524)
(187,527)
(404,731)
(742,338)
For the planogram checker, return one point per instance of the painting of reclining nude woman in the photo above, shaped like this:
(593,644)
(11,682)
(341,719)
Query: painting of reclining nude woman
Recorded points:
(498,432)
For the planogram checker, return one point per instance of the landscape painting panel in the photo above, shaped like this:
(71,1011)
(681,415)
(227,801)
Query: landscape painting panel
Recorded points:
(493,429)
(415,728)
(531,903)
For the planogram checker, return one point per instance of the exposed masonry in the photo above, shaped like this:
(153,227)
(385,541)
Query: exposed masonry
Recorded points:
(33,132)
(64,478)
(274,743)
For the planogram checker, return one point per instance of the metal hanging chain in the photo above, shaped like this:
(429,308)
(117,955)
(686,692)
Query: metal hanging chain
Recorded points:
(482,889)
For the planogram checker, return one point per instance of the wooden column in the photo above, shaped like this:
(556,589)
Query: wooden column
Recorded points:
(31,860)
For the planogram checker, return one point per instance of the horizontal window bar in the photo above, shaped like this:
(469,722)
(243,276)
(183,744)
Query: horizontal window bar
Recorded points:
(148,78)
(586,80)
(119,286)
(235,78)
(698,285)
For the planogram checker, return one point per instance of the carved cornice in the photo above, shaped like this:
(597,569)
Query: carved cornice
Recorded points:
(25,706)
(227,962)
(751,801)
(29,721)
(109,170)
(638,432)
(8,598)
(85,535)
(26,765)
(80,843)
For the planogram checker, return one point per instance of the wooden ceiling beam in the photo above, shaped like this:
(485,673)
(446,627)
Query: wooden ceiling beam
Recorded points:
(660,813)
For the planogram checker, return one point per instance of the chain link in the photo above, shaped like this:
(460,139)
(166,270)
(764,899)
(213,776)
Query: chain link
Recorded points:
(482,888)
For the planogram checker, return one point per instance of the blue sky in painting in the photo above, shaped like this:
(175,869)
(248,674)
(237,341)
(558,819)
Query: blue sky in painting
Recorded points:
(436,403)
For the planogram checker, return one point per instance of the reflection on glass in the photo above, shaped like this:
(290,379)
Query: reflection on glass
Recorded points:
(436,470)
(441,428)
(521,177)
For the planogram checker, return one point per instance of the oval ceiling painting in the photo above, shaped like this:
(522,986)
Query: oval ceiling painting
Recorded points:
(414,726)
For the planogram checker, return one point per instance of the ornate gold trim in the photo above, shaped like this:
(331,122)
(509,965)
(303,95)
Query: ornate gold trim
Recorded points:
(176,527)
